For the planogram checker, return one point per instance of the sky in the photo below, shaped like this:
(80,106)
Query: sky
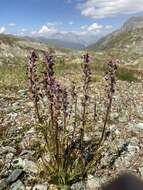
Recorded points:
(82,21)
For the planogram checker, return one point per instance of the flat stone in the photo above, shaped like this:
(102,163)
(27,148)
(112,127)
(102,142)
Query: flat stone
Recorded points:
(27,165)
(30,166)
(14,176)
(18,185)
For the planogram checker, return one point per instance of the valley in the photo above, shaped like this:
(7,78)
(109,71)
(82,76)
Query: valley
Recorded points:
(21,136)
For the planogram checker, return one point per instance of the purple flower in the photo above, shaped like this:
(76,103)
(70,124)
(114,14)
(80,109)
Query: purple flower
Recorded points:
(110,77)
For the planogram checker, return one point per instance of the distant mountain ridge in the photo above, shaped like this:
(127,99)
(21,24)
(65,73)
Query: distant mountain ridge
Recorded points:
(14,49)
(57,43)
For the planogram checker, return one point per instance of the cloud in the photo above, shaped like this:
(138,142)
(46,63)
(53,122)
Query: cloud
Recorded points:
(84,27)
(2,29)
(56,33)
(47,30)
(71,23)
(23,30)
(34,33)
(52,31)
(86,34)
(95,27)
(108,27)
(109,8)
(12,24)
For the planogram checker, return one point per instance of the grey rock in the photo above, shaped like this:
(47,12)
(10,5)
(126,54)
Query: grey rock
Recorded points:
(7,149)
(27,165)
(78,186)
(139,126)
(136,127)
(14,176)
(18,185)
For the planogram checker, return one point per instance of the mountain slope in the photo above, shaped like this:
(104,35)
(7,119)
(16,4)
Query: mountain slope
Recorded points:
(129,36)
(125,43)
(14,50)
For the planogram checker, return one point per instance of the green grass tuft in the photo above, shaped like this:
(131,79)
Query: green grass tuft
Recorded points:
(126,75)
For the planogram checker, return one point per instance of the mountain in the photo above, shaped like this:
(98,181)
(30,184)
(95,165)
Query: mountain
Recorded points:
(129,36)
(14,49)
(125,43)
(57,43)
(133,24)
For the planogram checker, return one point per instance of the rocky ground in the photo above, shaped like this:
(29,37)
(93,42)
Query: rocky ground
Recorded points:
(18,154)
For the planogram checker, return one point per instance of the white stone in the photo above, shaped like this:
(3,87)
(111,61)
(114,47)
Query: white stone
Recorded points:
(40,187)
(93,182)
(139,125)
(27,165)
(18,186)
